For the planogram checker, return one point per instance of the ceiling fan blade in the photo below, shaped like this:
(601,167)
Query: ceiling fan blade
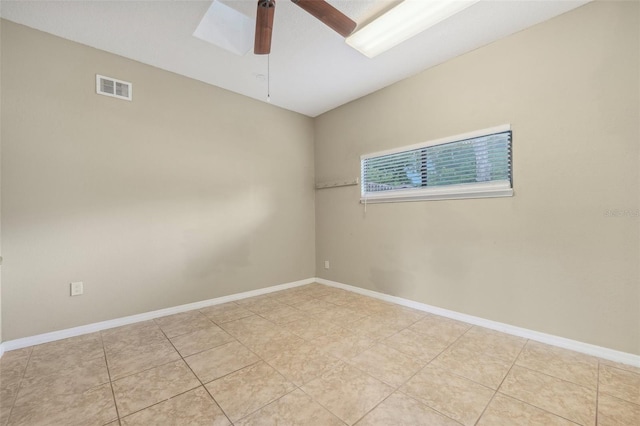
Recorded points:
(328,15)
(264,27)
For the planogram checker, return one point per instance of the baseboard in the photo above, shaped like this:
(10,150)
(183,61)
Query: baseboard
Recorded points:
(574,345)
(103,325)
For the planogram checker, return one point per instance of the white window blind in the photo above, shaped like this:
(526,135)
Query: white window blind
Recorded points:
(473,165)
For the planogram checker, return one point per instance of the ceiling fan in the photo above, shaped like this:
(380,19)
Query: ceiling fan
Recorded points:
(322,10)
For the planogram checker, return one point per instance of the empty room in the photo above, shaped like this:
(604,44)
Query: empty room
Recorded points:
(306,212)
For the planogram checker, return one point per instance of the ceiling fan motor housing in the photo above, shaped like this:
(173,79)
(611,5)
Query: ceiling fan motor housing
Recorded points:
(322,10)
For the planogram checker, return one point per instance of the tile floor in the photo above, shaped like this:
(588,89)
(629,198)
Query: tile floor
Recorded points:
(312,355)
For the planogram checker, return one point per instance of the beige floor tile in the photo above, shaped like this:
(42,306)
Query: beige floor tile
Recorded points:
(560,363)
(622,384)
(131,336)
(149,387)
(260,304)
(73,379)
(183,323)
(87,345)
(226,312)
(315,289)
(374,327)
(491,342)
(51,357)
(201,340)
(8,393)
(290,297)
(220,361)
(136,359)
(480,368)
(454,396)
(293,409)
(293,299)
(193,408)
(311,328)
(386,364)
(348,351)
(339,315)
(347,392)
(418,346)
(302,363)
(284,314)
(92,407)
(12,370)
(339,298)
(613,411)
(369,306)
(270,345)
(620,366)
(343,344)
(16,354)
(248,327)
(313,306)
(569,400)
(506,411)
(401,316)
(402,410)
(247,390)
(253,299)
(444,329)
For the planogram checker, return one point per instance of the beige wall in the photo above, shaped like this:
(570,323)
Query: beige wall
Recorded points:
(1,22)
(187,193)
(547,259)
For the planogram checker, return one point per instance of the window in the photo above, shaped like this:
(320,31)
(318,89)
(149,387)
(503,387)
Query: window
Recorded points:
(473,165)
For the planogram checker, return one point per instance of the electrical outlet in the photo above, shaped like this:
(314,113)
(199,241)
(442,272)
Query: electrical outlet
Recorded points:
(326,264)
(77,288)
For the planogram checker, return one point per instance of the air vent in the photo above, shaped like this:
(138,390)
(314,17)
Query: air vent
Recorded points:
(115,88)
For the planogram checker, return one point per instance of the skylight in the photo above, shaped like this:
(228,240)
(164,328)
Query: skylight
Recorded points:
(227,28)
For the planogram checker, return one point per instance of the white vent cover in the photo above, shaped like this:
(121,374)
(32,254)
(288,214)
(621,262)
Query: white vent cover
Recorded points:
(112,87)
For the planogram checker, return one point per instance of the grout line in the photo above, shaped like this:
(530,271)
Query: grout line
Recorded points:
(113,393)
(24,372)
(557,378)
(395,388)
(621,400)
(322,405)
(538,408)
(597,392)
(429,407)
(501,382)
(517,399)
(194,374)
(270,402)
(375,406)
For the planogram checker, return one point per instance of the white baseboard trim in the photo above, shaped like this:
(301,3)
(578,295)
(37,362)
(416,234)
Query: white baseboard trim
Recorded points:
(574,345)
(103,325)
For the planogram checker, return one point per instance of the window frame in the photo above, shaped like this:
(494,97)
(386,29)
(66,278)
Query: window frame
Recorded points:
(490,189)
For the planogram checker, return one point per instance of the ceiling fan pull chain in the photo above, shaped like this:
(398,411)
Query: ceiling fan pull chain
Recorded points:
(269,78)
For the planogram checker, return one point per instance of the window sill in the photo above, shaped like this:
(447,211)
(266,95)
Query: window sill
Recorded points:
(452,192)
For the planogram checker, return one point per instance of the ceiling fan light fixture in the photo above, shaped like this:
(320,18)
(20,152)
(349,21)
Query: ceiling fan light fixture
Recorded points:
(404,21)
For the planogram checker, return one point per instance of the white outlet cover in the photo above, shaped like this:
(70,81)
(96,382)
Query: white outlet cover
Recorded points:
(326,264)
(77,288)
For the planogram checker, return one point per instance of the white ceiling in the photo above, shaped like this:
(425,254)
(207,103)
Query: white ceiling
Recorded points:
(312,70)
